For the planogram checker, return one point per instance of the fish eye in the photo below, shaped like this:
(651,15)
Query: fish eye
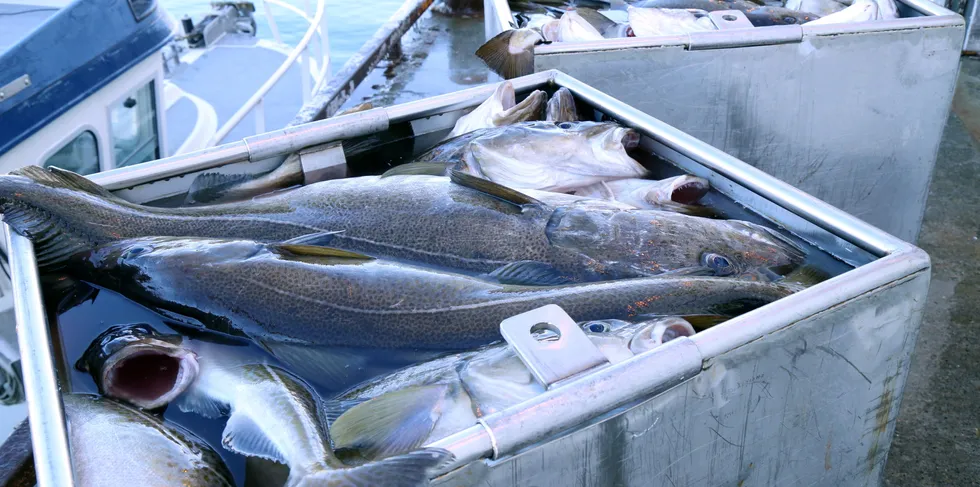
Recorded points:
(597,327)
(565,125)
(789,20)
(719,263)
(136,251)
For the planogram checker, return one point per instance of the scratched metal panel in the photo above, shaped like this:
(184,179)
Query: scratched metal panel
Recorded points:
(812,404)
(853,119)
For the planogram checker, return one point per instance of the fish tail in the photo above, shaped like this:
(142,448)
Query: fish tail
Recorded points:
(48,206)
(499,56)
(409,470)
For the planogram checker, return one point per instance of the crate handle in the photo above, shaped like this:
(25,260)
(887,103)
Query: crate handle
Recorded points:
(566,351)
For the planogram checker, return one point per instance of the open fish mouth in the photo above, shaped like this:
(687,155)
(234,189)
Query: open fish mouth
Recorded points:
(690,191)
(149,376)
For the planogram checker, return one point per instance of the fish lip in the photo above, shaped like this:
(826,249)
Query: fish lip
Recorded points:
(187,372)
(631,139)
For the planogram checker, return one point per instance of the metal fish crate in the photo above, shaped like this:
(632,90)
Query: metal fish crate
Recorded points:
(805,390)
(850,113)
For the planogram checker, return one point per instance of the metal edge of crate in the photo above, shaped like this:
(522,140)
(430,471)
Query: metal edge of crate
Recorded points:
(499,434)
(933,16)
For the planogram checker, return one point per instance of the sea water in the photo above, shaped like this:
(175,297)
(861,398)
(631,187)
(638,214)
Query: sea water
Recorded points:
(349,24)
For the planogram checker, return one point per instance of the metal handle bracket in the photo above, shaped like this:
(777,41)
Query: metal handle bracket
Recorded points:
(551,360)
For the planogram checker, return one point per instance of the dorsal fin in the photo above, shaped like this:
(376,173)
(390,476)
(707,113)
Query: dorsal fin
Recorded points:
(418,169)
(493,189)
(59,178)
(316,251)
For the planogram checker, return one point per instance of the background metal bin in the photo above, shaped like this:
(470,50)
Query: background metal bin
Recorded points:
(850,113)
(804,390)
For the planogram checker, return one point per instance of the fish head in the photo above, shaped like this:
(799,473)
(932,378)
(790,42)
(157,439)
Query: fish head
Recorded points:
(529,109)
(137,364)
(651,334)
(768,16)
(605,136)
(746,248)
(634,243)
(619,340)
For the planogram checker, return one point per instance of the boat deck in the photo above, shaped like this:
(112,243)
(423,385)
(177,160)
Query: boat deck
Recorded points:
(436,58)
(225,76)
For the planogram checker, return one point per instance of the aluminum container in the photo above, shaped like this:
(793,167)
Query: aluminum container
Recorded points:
(850,113)
(804,390)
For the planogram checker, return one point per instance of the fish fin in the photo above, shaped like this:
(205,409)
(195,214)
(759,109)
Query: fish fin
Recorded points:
(498,57)
(193,401)
(595,19)
(315,251)
(333,369)
(805,277)
(418,169)
(55,177)
(53,247)
(390,424)
(529,273)
(244,437)
(410,470)
(702,322)
(334,408)
(493,189)
(211,186)
(319,239)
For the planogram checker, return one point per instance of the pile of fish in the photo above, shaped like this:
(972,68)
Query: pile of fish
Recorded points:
(511,53)
(523,205)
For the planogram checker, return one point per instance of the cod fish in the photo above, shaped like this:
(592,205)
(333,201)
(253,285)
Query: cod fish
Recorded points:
(271,414)
(759,16)
(113,444)
(650,22)
(424,219)
(561,107)
(426,402)
(501,109)
(286,296)
(678,193)
(573,28)
(536,155)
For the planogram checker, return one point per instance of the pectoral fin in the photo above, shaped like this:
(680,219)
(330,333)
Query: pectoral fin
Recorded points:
(529,273)
(390,424)
(244,437)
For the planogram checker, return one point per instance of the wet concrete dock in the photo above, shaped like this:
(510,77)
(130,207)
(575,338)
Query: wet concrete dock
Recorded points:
(937,440)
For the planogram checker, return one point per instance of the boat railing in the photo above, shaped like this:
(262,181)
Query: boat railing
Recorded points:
(308,65)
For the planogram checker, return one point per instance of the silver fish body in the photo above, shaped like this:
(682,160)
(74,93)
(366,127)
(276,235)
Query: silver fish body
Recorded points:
(113,444)
(429,401)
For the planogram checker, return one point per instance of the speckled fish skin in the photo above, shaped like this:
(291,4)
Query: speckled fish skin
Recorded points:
(423,219)
(117,445)
(273,295)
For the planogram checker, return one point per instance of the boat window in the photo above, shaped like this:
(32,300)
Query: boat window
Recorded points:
(133,123)
(81,155)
